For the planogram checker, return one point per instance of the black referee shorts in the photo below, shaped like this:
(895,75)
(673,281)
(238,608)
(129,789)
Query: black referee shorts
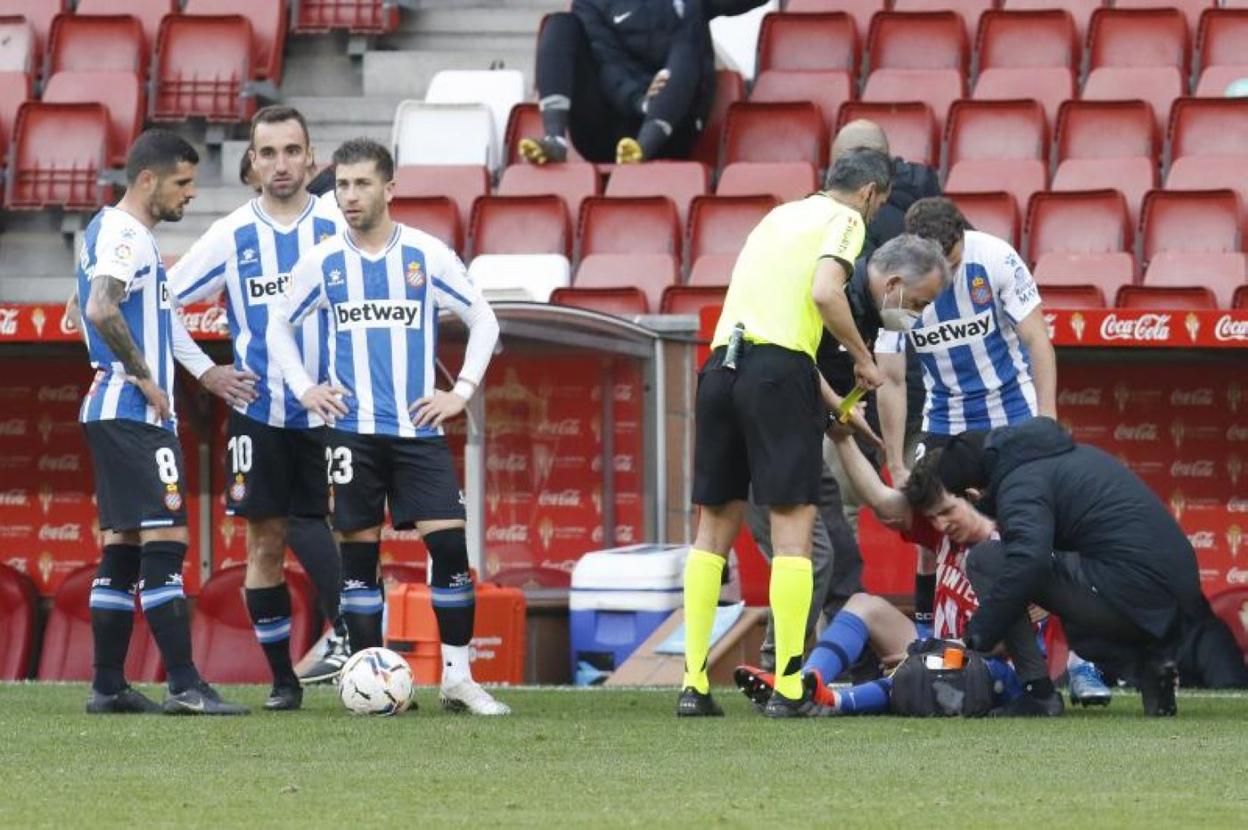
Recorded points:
(762,426)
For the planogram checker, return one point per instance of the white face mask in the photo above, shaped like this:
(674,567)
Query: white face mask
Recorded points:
(899,318)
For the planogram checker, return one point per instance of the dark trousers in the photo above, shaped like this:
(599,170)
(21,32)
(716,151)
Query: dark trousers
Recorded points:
(566,66)
(1094,628)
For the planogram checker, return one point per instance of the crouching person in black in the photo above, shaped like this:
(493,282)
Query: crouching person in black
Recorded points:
(1083,538)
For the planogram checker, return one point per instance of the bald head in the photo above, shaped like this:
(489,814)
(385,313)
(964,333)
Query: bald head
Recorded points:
(860,133)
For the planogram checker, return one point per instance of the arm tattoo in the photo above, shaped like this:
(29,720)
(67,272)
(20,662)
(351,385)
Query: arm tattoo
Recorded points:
(107,293)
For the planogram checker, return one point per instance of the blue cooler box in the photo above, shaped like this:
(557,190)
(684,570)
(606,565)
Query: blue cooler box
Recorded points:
(618,598)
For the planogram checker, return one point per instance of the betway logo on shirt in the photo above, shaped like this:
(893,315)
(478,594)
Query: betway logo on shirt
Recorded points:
(266,290)
(950,333)
(372,314)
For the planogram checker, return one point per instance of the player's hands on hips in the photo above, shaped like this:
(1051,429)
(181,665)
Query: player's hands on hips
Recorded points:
(237,387)
(432,410)
(156,396)
(326,401)
(868,375)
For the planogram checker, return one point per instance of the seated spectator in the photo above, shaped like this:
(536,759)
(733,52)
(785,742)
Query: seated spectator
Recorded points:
(627,80)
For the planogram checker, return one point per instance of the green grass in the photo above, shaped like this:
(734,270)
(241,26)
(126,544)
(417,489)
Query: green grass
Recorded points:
(614,758)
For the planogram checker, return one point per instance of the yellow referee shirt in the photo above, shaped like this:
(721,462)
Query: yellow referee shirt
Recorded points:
(770,289)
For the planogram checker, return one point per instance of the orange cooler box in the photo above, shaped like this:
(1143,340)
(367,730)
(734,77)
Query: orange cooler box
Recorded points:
(497,651)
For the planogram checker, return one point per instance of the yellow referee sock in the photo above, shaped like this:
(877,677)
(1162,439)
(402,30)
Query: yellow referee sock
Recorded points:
(703,571)
(792,584)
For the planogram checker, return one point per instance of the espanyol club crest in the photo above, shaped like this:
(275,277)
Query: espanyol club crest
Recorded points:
(173,499)
(981,294)
(238,489)
(415,274)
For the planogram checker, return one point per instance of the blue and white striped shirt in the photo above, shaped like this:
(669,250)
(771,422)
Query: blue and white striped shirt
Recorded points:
(250,255)
(118,246)
(383,319)
(976,370)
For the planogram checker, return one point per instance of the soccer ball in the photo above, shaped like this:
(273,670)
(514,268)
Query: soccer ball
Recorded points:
(375,681)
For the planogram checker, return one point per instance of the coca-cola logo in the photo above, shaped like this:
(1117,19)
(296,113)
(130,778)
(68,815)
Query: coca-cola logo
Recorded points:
(512,463)
(621,464)
(1091,396)
(68,532)
(1146,327)
(210,320)
(58,394)
(509,534)
(1192,469)
(1192,397)
(1235,432)
(1235,505)
(67,463)
(1136,432)
(621,392)
(1237,577)
(8,322)
(13,428)
(14,498)
(1202,539)
(564,428)
(1228,328)
(563,498)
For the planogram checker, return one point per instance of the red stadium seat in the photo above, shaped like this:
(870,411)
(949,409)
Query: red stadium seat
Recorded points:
(1191,9)
(969,10)
(83,43)
(979,130)
(785,181)
(994,213)
(1139,37)
(525,121)
(1239,301)
(18,602)
(1018,177)
(1231,606)
(1220,273)
(1028,40)
(435,215)
(572,182)
(202,67)
(1080,10)
(268,30)
(40,13)
(1070,296)
(1193,221)
(17,46)
(1194,298)
(1105,272)
(366,17)
(827,90)
(729,88)
(1048,85)
(651,273)
(1082,222)
(809,42)
(149,13)
(67,646)
(691,299)
(918,40)
(120,92)
(935,88)
(1133,177)
(775,132)
(719,225)
(461,183)
(520,225)
(680,181)
(1209,127)
(911,128)
(1106,129)
(1210,173)
(629,225)
(1158,85)
(15,89)
(712,270)
(59,151)
(1222,49)
(622,302)
(222,637)
(860,10)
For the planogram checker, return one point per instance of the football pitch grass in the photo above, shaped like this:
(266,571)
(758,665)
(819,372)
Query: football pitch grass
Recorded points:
(608,758)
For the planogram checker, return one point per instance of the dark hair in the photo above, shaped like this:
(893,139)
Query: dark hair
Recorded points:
(244,168)
(159,151)
(859,167)
(365,149)
(276,114)
(961,464)
(923,490)
(938,219)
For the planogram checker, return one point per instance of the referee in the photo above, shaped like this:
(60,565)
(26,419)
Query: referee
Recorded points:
(762,405)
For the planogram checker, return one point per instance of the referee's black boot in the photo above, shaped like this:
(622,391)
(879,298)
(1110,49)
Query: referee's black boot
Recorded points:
(128,701)
(201,699)
(1158,679)
(285,698)
(694,704)
(806,706)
